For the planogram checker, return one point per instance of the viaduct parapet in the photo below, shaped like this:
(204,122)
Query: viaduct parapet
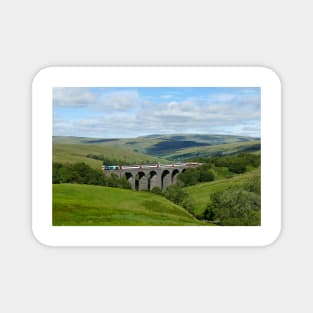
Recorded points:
(145,177)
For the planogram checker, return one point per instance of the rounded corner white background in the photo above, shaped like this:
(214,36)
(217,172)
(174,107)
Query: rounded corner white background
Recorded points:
(262,77)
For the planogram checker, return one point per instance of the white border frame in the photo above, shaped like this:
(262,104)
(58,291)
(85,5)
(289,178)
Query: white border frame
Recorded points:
(50,235)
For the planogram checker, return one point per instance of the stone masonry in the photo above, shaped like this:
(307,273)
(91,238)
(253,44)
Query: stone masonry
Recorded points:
(145,177)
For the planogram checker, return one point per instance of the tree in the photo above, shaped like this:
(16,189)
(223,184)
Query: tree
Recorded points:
(113,180)
(56,173)
(81,173)
(175,194)
(237,166)
(205,175)
(196,175)
(234,207)
(124,183)
(190,177)
(189,204)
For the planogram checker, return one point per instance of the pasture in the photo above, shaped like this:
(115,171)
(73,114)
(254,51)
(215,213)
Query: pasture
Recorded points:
(86,205)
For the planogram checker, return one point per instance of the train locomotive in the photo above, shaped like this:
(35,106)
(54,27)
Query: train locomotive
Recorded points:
(111,167)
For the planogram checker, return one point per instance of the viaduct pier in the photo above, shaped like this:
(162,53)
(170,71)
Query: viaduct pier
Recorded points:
(146,177)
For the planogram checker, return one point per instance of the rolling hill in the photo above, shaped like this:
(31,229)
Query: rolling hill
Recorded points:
(72,153)
(216,150)
(86,205)
(201,192)
(178,147)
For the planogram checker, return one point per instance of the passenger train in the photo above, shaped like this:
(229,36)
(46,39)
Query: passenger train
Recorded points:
(121,167)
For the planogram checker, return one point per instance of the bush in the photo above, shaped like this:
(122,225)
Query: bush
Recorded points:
(223,172)
(234,207)
(157,190)
(189,177)
(253,185)
(56,173)
(177,195)
(237,166)
(124,183)
(188,204)
(113,180)
(206,175)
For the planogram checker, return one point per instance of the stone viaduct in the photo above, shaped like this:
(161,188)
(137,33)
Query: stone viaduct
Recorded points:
(145,177)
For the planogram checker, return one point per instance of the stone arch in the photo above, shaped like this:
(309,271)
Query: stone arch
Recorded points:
(165,179)
(174,176)
(131,179)
(141,182)
(153,180)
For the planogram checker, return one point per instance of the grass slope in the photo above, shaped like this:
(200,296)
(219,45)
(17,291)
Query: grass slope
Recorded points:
(216,150)
(85,205)
(177,146)
(201,192)
(72,153)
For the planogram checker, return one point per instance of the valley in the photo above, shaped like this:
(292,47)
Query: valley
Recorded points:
(87,197)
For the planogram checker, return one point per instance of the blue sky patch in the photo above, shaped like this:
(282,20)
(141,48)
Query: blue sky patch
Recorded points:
(131,112)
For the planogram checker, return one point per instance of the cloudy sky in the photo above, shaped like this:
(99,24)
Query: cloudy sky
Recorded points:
(131,112)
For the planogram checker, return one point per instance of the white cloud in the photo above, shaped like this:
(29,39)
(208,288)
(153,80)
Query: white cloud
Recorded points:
(119,100)
(167,96)
(72,97)
(125,114)
(83,97)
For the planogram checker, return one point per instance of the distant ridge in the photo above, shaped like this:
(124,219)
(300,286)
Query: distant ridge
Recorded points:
(170,147)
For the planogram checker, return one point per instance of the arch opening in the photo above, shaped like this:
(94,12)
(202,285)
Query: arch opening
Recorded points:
(153,180)
(141,182)
(165,180)
(130,178)
(174,176)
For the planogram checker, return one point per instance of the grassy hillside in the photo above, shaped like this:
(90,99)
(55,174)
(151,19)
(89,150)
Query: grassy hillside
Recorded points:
(169,144)
(85,205)
(216,150)
(178,146)
(72,153)
(201,192)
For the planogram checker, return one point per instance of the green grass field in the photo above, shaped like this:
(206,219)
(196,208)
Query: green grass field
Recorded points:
(85,205)
(201,192)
